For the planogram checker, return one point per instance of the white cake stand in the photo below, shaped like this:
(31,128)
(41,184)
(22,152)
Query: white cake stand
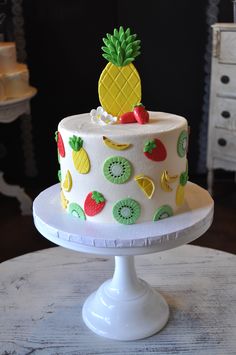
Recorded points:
(125,307)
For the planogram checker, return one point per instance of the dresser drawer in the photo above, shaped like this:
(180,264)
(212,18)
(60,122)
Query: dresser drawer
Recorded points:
(227,50)
(225,80)
(224,143)
(224,113)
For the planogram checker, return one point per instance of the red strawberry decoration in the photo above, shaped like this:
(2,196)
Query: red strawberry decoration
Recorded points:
(94,203)
(128,117)
(60,144)
(141,115)
(155,150)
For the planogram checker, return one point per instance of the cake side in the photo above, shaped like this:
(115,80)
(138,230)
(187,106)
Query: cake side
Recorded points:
(135,169)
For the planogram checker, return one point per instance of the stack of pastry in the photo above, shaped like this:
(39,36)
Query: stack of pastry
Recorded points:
(14,76)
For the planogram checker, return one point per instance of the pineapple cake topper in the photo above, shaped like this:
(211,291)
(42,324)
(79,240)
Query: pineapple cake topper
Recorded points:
(119,86)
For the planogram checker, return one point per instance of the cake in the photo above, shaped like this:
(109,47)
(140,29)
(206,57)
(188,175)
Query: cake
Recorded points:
(122,163)
(14,76)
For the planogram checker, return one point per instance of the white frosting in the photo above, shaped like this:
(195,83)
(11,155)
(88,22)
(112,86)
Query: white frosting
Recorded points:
(164,126)
(160,121)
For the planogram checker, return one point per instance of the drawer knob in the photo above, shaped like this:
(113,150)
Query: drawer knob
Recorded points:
(222,142)
(225,114)
(224,79)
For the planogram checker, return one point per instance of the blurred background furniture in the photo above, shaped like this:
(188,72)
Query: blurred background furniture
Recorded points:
(10,110)
(222,110)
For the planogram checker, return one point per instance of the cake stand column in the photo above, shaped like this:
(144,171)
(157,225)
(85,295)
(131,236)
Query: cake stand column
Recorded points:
(125,307)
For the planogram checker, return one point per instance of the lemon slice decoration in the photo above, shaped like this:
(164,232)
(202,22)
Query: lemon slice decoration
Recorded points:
(64,201)
(146,185)
(67,184)
(179,195)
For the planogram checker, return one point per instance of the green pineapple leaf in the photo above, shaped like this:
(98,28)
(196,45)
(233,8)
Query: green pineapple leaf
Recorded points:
(106,50)
(76,143)
(116,33)
(127,32)
(121,47)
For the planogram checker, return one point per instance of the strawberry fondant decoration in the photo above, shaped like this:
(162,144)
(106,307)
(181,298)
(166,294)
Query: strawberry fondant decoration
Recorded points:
(141,115)
(155,150)
(94,203)
(60,144)
(128,117)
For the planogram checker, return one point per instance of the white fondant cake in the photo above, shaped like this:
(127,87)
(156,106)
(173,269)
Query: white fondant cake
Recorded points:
(14,76)
(128,173)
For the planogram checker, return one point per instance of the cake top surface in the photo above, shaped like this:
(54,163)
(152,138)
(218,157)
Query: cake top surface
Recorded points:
(161,121)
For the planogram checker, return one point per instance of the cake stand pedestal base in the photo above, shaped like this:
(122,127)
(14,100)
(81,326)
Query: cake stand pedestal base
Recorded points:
(125,307)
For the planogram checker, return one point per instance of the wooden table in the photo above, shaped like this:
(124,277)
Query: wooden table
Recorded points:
(42,294)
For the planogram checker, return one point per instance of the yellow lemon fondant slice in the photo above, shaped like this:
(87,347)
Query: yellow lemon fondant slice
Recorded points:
(179,195)
(146,185)
(64,201)
(67,184)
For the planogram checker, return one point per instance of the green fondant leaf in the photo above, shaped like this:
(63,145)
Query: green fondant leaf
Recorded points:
(122,37)
(116,34)
(149,146)
(136,43)
(107,57)
(106,42)
(128,61)
(121,31)
(76,143)
(135,54)
(129,46)
(131,38)
(128,53)
(56,136)
(120,58)
(117,45)
(113,40)
(106,50)
(98,197)
(109,37)
(127,32)
(123,45)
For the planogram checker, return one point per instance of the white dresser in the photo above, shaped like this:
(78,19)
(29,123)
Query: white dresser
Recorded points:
(221,152)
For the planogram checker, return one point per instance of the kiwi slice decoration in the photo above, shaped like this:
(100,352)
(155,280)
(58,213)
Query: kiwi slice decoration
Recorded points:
(59,175)
(76,211)
(163,212)
(183,179)
(117,169)
(126,211)
(182,144)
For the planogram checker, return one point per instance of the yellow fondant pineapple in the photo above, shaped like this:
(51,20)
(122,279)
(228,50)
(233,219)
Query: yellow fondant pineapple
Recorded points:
(119,86)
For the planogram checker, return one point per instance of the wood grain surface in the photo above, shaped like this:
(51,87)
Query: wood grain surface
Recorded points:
(42,294)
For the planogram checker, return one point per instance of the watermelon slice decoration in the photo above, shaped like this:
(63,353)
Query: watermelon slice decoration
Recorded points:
(94,203)
(155,150)
(60,144)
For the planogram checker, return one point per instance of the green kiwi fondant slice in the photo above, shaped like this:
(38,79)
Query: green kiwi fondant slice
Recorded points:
(117,169)
(163,212)
(59,175)
(76,211)
(183,179)
(182,144)
(126,211)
